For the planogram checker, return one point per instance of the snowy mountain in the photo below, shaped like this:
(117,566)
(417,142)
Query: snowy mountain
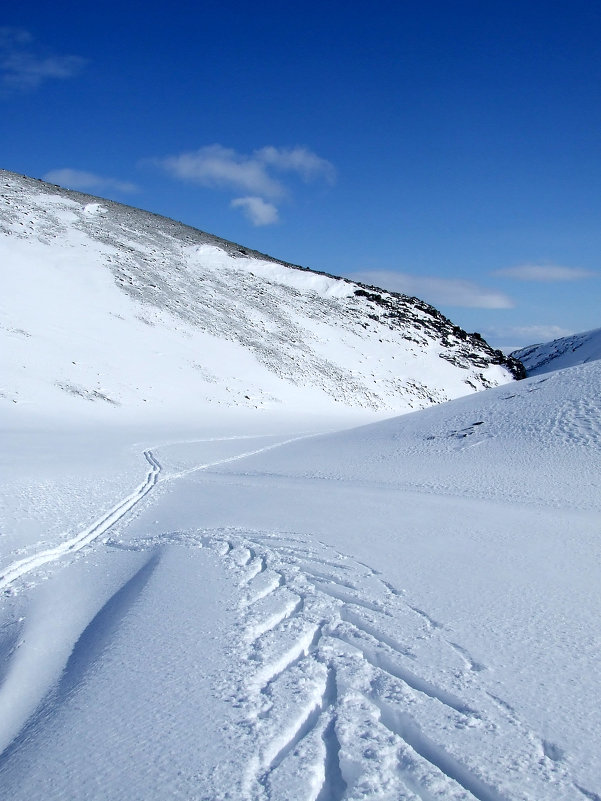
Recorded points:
(560,353)
(112,311)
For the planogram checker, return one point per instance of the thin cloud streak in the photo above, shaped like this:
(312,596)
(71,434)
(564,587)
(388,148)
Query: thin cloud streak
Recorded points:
(23,69)
(523,336)
(547,273)
(437,291)
(297,159)
(533,334)
(80,179)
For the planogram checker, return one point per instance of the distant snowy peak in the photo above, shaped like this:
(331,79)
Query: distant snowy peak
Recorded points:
(115,308)
(560,353)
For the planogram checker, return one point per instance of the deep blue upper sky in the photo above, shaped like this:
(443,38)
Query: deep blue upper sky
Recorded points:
(450,150)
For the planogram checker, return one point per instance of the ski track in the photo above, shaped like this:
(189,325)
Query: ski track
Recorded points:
(88,535)
(335,690)
(30,563)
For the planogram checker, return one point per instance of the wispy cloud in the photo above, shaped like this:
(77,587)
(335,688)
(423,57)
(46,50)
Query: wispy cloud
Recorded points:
(259,174)
(258,211)
(221,167)
(438,291)
(297,159)
(24,67)
(521,336)
(80,179)
(547,273)
(531,333)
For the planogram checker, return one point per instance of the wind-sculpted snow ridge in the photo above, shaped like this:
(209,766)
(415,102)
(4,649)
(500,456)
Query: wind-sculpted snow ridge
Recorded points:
(560,353)
(338,695)
(221,325)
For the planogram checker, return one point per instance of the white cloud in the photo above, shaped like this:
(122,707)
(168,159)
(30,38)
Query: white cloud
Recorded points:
(218,166)
(80,179)
(258,174)
(258,211)
(544,272)
(437,291)
(297,159)
(22,68)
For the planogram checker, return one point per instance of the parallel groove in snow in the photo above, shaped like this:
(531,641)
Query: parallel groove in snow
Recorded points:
(88,535)
(105,522)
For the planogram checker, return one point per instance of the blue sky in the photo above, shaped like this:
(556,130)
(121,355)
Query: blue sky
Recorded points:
(450,150)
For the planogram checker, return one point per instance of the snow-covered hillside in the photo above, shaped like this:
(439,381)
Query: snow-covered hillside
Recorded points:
(407,610)
(114,312)
(560,353)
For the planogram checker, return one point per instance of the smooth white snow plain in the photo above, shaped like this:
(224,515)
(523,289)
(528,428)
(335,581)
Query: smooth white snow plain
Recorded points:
(245,609)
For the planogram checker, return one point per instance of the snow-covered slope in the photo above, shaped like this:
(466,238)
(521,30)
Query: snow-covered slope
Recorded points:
(112,311)
(408,610)
(560,353)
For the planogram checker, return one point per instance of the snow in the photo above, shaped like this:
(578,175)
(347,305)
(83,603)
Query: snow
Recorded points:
(217,259)
(407,609)
(560,353)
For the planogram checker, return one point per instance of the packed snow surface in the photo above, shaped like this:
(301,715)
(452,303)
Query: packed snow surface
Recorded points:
(563,352)
(246,608)
(113,313)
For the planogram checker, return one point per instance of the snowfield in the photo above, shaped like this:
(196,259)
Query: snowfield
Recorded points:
(404,610)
